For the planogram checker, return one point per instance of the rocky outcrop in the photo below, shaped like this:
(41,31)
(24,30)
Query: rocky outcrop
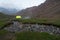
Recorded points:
(19,27)
(49,9)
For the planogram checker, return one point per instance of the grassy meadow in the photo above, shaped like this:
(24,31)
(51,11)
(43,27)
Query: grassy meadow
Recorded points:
(29,35)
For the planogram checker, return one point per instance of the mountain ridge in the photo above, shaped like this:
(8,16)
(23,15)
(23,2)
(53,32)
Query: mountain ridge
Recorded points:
(8,11)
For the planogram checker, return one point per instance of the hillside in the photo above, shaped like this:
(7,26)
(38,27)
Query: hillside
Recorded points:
(4,18)
(49,9)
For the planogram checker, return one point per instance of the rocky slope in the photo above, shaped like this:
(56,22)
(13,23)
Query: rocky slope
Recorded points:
(49,9)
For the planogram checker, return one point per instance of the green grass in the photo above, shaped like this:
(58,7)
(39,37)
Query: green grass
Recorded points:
(36,36)
(42,20)
(31,35)
(3,22)
(4,19)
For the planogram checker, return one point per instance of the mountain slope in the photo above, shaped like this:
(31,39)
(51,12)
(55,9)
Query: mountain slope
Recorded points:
(49,9)
(8,11)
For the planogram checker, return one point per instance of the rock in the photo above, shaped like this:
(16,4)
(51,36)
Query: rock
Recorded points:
(17,27)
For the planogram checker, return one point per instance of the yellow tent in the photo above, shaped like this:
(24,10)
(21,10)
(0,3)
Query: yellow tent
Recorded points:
(17,17)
